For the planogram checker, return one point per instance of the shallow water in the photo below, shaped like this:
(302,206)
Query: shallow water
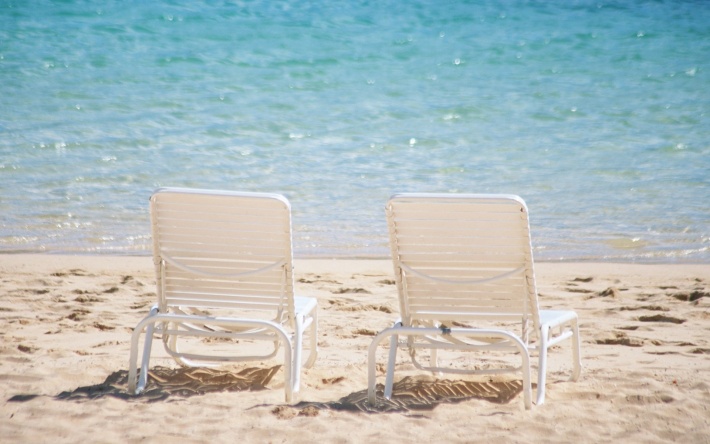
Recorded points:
(595,112)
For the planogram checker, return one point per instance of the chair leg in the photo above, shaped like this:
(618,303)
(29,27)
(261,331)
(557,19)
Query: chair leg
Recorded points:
(145,361)
(372,362)
(297,355)
(542,366)
(391,360)
(527,391)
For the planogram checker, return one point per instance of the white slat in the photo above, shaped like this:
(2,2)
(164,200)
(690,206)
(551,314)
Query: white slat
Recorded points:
(223,250)
(450,242)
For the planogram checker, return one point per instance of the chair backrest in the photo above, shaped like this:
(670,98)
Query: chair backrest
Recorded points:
(220,249)
(462,257)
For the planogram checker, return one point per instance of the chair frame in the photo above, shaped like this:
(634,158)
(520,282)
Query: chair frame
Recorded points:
(170,320)
(430,330)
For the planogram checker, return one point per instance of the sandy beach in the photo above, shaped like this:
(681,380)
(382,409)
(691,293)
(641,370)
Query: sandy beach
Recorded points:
(67,322)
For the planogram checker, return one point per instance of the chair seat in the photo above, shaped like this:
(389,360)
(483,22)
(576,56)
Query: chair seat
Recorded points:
(304,305)
(556,317)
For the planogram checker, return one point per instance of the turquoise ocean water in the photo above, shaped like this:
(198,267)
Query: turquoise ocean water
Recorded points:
(596,112)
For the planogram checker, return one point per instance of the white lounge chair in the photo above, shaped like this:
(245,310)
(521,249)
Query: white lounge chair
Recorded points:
(223,263)
(466,259)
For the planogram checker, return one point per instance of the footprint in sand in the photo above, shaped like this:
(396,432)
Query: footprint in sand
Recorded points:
(103,327)
(130,281)
(675,344)
(317,278)
(611,292)
(309,411)
(72,272)
(676,348)
(331,381)
(646,307)
(78,314)
(85,299)
(691,296)
(342,306)
(288,412)
(27,348)
(663,353)
(619,338)
(653,399)
(382,308)
(344,290)
(46,282)
(634,328)
(284,412)
(106,344)
(661,318)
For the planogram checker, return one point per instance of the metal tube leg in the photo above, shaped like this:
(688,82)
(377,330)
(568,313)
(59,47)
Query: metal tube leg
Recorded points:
(132,364)
(145,362)
(372,365)
(542,366)
(297,352)
(391,360)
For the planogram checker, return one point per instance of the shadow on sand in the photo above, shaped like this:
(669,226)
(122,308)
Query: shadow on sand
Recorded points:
(409,394)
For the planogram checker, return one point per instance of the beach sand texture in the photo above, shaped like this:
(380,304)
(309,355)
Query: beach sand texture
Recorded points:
(67,322)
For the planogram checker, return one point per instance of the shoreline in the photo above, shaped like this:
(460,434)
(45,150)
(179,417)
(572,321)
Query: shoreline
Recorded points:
(374,257)
(105,261)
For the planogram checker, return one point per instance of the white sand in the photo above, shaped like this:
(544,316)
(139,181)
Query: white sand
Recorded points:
(67,320)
